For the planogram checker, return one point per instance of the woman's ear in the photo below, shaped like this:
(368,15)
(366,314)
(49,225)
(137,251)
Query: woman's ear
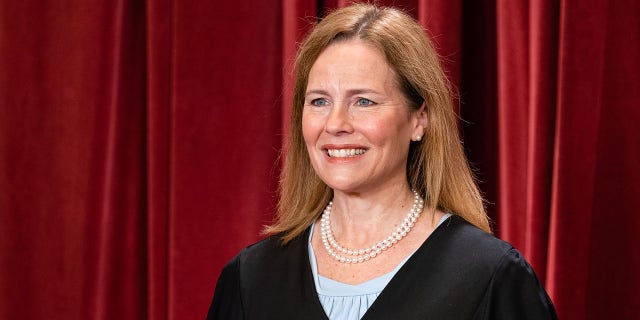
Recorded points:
(420,122)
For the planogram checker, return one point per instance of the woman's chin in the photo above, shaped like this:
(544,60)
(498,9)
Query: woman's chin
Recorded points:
(345,186)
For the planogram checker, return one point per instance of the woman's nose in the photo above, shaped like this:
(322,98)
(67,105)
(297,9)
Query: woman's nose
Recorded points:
(339,121)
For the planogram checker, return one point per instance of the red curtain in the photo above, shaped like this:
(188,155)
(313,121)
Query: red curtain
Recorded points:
(139,144)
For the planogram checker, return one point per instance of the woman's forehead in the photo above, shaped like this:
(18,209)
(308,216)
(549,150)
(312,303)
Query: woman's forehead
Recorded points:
(351,64)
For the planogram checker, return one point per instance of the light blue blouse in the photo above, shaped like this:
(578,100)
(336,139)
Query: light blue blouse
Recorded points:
(345,301)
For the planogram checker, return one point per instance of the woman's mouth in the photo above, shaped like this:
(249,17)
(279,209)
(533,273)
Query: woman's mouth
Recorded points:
(345,153)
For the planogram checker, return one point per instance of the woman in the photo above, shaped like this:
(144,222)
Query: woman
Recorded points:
(379,216)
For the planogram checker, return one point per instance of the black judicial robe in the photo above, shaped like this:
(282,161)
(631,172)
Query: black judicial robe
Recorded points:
(459,272)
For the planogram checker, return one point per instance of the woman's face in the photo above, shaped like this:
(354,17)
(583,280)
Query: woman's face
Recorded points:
(355,122)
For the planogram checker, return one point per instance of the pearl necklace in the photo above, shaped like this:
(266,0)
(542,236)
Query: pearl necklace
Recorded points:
(345,255)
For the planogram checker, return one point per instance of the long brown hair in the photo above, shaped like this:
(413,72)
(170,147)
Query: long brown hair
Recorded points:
(437,167)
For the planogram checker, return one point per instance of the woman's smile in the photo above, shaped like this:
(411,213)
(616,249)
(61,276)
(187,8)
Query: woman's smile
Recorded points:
(344,151)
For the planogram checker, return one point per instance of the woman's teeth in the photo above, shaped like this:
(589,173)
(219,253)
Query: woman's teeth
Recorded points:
(345,153)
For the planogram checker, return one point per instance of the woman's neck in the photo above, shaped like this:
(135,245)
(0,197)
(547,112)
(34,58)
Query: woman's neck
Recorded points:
(359,219)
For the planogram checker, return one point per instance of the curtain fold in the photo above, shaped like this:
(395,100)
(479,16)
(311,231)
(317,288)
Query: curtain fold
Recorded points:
(513,75)
(543,43)
(527,72)
(579,110)
(159,29)
(139,144)
(115,230)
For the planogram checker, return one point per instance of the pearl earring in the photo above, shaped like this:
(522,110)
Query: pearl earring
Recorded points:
(419,136)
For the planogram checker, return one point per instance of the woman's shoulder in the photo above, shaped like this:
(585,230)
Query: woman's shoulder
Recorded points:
(267,256)
(461,235)
(273,247)
(508,285)
(477,273)
(459,243)
(264,247)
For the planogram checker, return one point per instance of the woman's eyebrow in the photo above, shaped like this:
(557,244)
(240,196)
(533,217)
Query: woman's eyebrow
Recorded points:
(317,91)
(350,92)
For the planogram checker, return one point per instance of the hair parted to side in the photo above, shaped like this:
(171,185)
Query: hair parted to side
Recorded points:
(437,167)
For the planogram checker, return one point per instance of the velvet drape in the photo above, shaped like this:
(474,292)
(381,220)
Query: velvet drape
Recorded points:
(139,144)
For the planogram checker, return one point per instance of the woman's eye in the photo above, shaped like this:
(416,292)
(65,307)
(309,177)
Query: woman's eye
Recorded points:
(320,102)
(364,102)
